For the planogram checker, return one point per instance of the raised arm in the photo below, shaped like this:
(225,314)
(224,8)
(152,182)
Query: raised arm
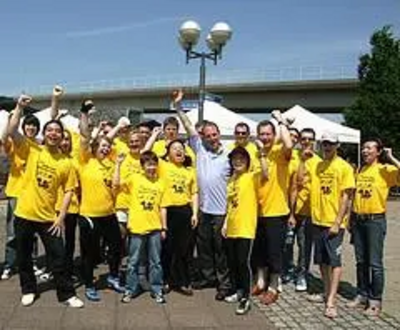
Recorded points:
(284,132)
(13,124)
(84,124)
(177,97)
(116,181)
(263,161)
(55,101)
(153,138)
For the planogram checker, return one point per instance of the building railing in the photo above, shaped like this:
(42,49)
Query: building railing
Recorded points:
(214,77)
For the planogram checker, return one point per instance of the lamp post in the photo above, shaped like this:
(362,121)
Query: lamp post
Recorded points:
(189,34)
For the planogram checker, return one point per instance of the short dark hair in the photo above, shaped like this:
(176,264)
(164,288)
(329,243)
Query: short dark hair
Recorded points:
(31,119)
(148,156)
(210,124)
(54,121)
(243,124)
(236,152)
(294,129)
(171,121)
(264,123)
(308,130)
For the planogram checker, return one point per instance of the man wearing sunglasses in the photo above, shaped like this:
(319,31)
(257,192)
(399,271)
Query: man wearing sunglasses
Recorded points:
(243,139)
(300,217)
(332,184)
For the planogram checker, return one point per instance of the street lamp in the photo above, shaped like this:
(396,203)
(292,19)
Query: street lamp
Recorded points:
(189,34)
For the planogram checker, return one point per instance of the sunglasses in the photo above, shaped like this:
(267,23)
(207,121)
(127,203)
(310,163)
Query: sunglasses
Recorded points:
(241,133)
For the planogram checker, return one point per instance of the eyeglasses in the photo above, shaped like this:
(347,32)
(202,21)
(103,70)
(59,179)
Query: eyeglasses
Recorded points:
(241,133)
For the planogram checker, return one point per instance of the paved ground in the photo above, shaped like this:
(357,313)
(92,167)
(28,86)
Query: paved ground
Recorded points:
(292,311)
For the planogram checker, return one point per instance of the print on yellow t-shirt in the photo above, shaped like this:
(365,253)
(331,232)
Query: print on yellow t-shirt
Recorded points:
(45,173)
(242,206)
(372,188)
(145,204)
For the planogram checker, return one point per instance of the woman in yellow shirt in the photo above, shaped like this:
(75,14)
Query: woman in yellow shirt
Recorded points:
(373,182)
(97,212)
(71,219)
(240,224)
(181,202)
(47,170)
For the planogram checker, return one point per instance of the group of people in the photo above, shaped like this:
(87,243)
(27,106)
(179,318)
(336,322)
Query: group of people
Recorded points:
(161,200)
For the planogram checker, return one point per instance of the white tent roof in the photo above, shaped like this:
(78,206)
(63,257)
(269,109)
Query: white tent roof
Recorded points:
(304,118)
(69,121)
(224,118)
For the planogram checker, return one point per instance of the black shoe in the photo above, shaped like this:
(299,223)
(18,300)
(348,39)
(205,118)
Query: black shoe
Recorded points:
(184,290)
(202,285)
(221,294)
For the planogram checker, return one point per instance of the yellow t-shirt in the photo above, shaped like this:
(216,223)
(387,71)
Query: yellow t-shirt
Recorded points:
(372,188)
(17,153)
(74,205)
(180,183)
(130,165)
(145,207)
(303,194)
(242,206)
(45,174)
(120,146)
(273,193)
(253,152)
(328,181)
(95,176)
(160,148)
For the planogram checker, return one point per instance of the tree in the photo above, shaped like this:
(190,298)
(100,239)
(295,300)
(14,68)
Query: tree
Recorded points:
(376,110)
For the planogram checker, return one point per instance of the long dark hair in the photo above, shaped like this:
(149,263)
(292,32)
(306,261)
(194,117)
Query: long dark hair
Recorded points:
(187,162)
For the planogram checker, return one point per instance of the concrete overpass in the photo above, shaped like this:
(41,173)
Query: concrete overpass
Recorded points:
(323,96)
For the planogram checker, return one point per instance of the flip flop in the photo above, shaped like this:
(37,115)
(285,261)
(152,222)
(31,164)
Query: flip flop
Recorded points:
(331,312)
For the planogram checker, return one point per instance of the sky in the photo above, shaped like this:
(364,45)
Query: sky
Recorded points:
(69,42)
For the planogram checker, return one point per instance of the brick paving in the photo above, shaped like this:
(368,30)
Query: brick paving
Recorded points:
(292,311)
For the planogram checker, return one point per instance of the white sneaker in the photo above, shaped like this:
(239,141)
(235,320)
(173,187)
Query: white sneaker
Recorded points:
(28,299)
(233,298)
(37,271)
(301,285)
(358,301)
(74,302)
(279,288)
(6,275)
(317,298)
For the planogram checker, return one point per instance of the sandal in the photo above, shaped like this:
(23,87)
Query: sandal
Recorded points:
(331,312)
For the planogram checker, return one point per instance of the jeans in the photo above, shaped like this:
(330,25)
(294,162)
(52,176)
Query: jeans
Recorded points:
(369,233)
(91,229)
(212,251)
(154,257)
(55,252)
(10,250)
(304,236)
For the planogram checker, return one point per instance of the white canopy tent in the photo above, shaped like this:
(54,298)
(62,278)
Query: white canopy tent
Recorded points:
(224,118)
(304,118)
(69,121)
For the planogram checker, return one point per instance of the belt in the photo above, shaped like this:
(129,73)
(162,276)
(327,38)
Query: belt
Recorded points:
(366,217)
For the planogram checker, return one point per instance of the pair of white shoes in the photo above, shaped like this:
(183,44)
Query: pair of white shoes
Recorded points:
(29,298)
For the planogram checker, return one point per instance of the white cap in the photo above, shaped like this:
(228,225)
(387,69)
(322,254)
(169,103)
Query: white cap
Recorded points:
(330,137)
(124,121)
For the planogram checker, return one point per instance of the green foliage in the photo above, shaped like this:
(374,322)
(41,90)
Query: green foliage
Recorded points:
(376,110)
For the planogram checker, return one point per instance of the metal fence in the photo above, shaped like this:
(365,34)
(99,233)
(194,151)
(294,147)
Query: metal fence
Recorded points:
(214,77)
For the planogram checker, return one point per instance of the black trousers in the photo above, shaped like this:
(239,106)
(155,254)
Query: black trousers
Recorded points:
(212,251)
(238,252)
(177,246)
(25,231)
(269,244)
(71,221)
(91,229)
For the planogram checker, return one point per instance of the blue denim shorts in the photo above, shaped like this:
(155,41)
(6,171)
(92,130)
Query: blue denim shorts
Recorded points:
(327,248)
